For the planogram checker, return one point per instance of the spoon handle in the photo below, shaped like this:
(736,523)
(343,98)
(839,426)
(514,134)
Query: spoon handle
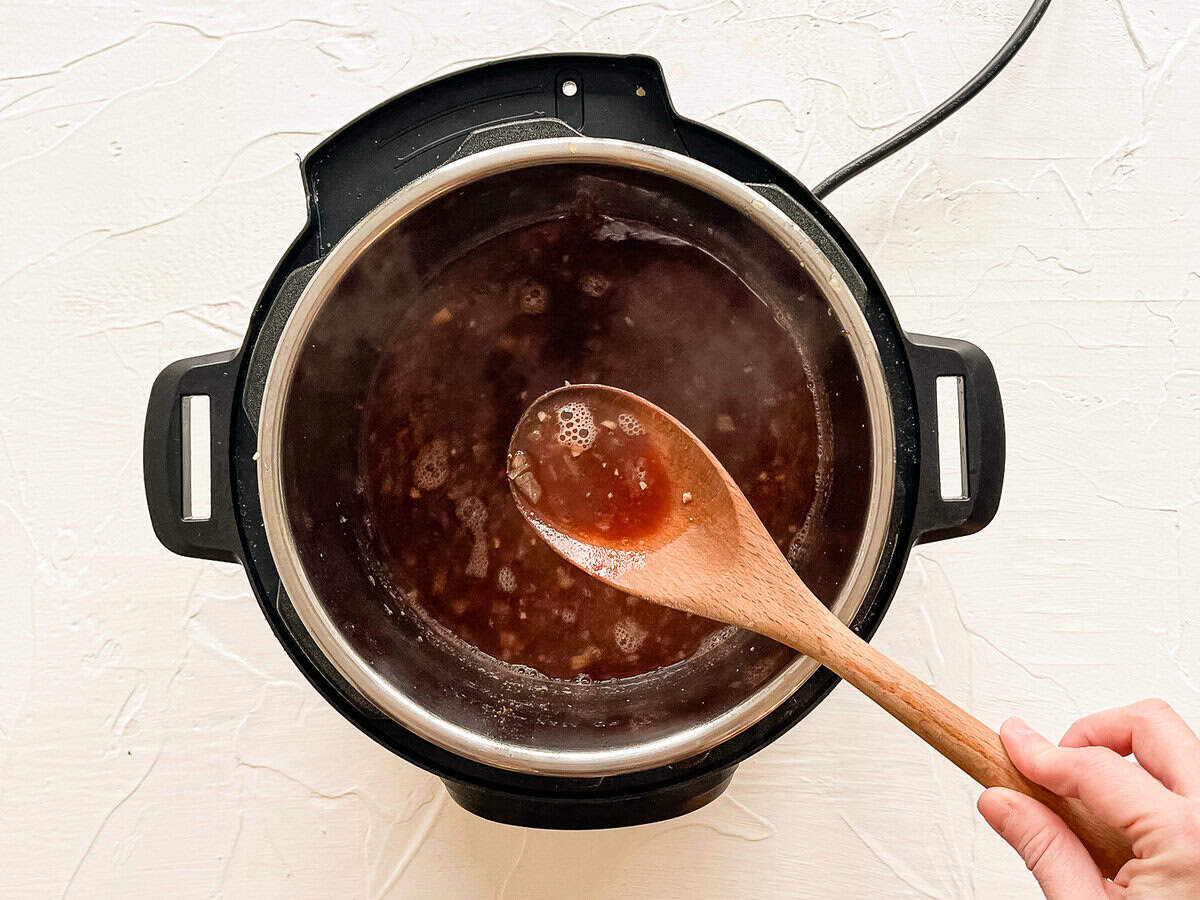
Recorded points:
(948,728)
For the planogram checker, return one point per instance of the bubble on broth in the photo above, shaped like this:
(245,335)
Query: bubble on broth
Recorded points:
(594,284)
(576,427)
(477,564)
(629,636)
(714,640)
(533,297)
(432,465)
(629,424)
(472,513)
(795,550)
(528,671)
(506,580)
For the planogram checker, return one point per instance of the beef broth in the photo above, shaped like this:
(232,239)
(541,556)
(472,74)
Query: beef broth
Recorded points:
(581,299)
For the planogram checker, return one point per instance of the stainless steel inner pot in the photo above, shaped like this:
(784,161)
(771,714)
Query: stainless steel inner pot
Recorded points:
(411,670)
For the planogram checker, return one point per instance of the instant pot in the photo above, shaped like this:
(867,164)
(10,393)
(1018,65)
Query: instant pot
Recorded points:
(423,176)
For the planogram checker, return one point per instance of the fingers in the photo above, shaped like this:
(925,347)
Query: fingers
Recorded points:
(1153,732)
(1050,849)
(1115,789)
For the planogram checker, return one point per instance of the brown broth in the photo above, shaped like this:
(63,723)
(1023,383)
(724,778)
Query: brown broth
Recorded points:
(579,299)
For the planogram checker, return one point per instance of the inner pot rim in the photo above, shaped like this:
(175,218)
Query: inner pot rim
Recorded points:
(358,672)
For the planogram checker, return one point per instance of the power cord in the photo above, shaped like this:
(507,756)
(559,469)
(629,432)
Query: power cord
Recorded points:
(940,113)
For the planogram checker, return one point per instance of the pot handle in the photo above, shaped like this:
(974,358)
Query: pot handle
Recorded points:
(164,453)
(981,437)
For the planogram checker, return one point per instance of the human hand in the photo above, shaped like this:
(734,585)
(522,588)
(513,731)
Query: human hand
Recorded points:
(1155,801)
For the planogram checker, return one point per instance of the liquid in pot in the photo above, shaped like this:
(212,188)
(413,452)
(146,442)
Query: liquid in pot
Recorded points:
(582,298)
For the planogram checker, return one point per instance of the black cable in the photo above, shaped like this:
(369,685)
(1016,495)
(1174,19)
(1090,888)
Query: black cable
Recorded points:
(939,113)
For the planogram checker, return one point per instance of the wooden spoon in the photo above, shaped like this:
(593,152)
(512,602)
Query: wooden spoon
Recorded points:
(674,528)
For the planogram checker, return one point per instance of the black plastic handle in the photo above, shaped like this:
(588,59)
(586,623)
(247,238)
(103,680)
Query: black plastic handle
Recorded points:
(162,457)
(982,426)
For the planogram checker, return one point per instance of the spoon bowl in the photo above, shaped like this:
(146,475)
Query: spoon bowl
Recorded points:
(691,544)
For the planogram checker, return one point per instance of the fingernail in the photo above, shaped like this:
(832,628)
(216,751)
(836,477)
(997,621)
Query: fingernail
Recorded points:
(1019,727)
(995,797)
(997,809)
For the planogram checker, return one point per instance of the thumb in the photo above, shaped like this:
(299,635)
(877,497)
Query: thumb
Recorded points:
(1050,849)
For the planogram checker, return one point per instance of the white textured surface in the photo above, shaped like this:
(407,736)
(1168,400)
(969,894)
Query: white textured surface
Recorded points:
(154,739)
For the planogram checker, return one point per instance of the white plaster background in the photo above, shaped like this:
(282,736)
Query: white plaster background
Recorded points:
(154,739)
